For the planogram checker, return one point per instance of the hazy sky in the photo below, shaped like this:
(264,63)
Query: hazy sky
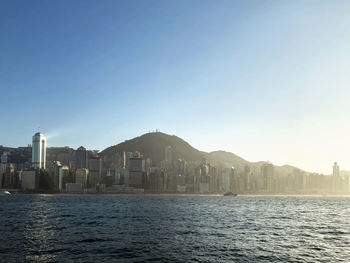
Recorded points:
(267,80)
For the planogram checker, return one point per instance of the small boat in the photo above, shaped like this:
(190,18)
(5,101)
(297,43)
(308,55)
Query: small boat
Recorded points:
(230,194)
(4,192)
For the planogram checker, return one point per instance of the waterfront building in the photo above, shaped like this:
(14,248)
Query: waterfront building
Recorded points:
(336,178)
(180,174)
(233,180)
(8,176)
(156,179)
(29,180)
(119,176)
(247,178)
(81,176)
(95,170)
(168,155)
(39,151)
(267,174)
(136,171)
(299,180)
(81,158)
(126,157)
(214,180)
(3,165)
(4,157)
(336,169)
(225,180)
(54,170)
(202,178)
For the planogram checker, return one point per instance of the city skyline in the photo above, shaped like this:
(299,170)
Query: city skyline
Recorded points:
(39,151)
(155,162)
(264,80)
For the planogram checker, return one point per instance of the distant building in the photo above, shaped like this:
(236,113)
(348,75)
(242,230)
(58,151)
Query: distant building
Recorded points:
(267,174)
(336,169)
(336,178)
(126,157)
(81,176)
(4,157)
(63,173)
(53,170)
(29,180)
(299,180)
(225,180)
(203,177)
(247,178)
(3,165)
(8,176)
(95,170)
(180,173)
(39,151)
(215,179)
(81,158)
(168,155)
(155,180)
(136,171)
(119,176)
(57,171)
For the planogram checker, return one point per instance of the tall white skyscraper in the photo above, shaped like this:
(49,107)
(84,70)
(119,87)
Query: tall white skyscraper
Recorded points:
(39,151)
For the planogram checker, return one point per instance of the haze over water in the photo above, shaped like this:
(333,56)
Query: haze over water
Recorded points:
(173,228)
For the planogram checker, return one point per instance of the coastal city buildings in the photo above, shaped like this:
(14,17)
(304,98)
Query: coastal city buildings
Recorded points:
(65,169)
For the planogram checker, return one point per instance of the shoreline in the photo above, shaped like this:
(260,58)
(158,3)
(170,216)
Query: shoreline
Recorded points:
(40,192)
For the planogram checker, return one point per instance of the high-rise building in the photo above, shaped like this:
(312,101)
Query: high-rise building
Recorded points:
(156,180)
(136,171)
(180,174)
(3,165)
(81,176)
(168,155)
(267,174)
(247,178)
(336,178)
(95,170)
(126,157)
(39,151)
(81,158)
(180,167)
(29,180)
(57,171)
(335,169)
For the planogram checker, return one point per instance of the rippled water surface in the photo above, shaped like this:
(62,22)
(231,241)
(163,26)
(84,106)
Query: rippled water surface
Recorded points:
(160,228)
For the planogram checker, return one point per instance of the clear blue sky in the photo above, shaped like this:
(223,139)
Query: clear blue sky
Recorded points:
(267,80)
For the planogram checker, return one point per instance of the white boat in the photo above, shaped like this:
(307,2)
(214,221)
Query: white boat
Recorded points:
(4,192)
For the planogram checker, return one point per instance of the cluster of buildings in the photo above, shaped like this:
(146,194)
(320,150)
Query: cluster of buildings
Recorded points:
(85,171)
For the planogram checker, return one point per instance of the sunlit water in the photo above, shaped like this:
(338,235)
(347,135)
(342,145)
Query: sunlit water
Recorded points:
(125,228)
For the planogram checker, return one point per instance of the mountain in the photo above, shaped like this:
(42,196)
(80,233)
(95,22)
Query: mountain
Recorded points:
(226,159)
(152,145)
